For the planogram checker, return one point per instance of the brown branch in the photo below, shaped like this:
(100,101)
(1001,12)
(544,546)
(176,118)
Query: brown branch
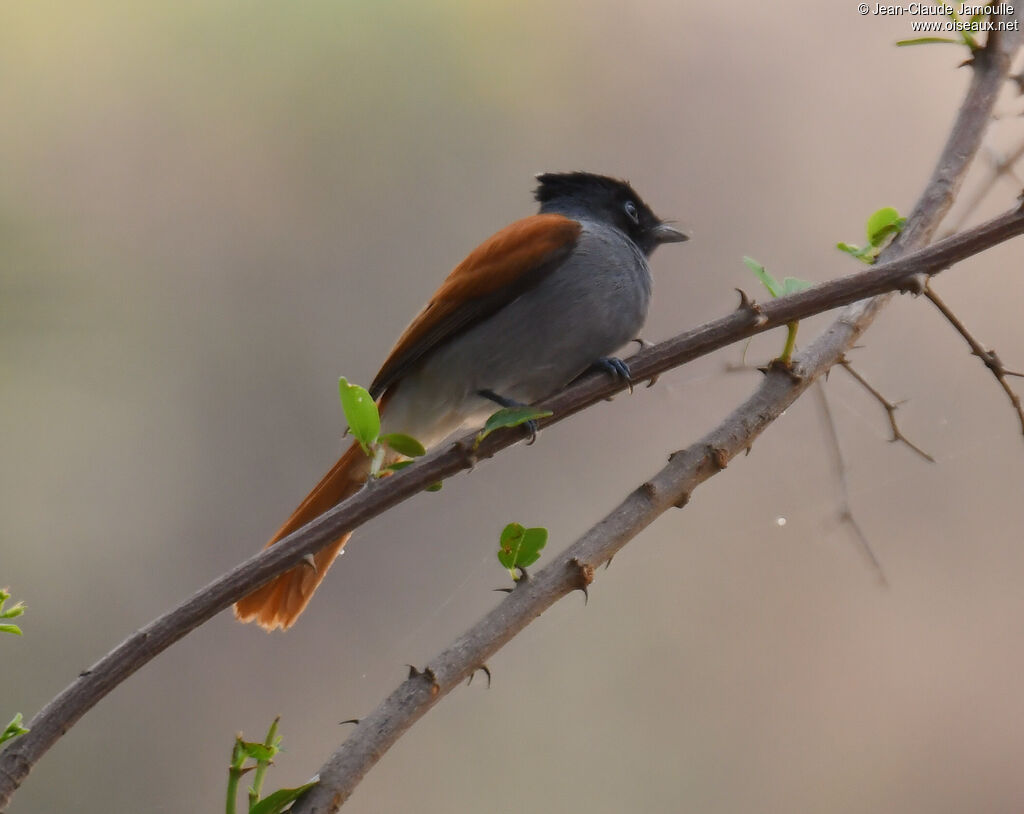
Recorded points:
(845,514)
(685,471)
(50,724)
(673,485)
(890,409)
(987,355)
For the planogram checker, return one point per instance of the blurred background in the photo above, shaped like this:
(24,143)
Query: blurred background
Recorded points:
(211,210)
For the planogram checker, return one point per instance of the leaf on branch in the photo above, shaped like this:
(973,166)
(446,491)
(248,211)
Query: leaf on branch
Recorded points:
(789,285)
(12,612)
(403,444)
(520,547)
(769,282)
(883,224)
(510,417)
(275,803)
(13,729)
(257,751)
(360,413)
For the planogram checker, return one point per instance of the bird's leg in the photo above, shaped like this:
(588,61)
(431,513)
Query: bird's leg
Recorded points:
(616,367)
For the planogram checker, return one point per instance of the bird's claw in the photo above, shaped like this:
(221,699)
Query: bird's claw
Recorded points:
(616,367)
(531,427)
(613,365)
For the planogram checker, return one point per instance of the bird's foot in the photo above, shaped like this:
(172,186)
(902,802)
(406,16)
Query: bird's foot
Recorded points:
(616,367)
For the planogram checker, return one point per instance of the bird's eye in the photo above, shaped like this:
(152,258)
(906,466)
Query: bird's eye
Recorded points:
(630,208)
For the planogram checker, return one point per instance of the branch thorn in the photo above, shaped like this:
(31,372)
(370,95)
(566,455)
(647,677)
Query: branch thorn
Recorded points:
(483,668)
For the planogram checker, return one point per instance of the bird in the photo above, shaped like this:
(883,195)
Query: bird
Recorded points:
(533,307)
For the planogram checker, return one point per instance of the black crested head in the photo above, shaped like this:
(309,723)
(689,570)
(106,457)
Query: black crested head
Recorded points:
(608,200)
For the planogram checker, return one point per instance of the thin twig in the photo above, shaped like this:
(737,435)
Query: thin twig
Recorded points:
(987,355)
(845,514)
(890,410)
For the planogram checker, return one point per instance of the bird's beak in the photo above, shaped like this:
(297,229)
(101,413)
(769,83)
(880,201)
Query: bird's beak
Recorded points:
(663,233)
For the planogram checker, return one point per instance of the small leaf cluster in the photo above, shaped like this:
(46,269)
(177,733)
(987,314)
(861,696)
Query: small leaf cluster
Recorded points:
(789,285)
(14,728)
(256,757)
(12,612)
(520,547)
(363,419)
(883,225)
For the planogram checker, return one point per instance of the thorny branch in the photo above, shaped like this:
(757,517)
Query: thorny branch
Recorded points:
(77,698)
(987,355)
(890,409)
(671,487)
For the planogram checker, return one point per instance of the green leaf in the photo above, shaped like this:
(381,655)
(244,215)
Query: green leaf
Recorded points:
(508,545)
(533,541)
(258,751)
(13,729)
(520,547)
(865,254)
(12,612)
(434,487)
(510,417)
(399,465)
(275,803)
(762,274)
(880,227)
(403,444)
(790,285)
(927,41)
(360,413)
(883,223)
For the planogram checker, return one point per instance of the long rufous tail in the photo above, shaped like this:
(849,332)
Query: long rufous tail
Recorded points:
(281,601)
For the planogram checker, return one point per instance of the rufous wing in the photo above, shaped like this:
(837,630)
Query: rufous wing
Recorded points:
(509,263)
(495,273)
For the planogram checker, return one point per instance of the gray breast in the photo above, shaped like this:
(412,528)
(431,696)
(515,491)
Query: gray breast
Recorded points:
(590,307)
